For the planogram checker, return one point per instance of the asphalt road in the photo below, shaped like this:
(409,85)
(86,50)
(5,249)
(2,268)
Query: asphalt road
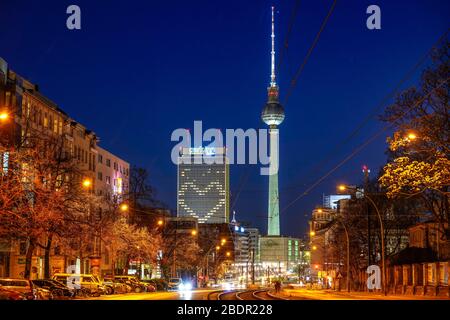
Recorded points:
(200,294)
(172,295)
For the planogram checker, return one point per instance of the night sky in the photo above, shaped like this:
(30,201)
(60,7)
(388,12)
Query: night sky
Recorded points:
(137,70)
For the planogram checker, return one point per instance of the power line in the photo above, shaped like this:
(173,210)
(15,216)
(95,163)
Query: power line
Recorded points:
(377,108)
(362,146)
(305,60)
(374,111)
(286,39)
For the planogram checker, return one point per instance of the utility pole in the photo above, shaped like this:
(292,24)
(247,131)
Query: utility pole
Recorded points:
(366,189)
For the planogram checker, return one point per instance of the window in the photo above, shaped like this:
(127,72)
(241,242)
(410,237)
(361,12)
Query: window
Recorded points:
(7,98)
(106,256)
(115,166)
(119,186)
(22,247)
(45,120)
(108,162)
(100,176)
(108,179)
(4,162)
(100,158)
(60,127)
(55,126)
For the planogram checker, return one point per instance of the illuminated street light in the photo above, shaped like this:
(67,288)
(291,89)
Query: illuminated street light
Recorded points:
(342,187)
(217,247)
(314,247)
(4,116)
(194,232)
(228,253)
(87,183)
(412,136)
(160,222)
(319,210)
(124,207)
(312,233)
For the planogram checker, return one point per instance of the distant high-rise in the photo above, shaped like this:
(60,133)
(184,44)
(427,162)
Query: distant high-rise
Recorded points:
(273,115)
(203,185)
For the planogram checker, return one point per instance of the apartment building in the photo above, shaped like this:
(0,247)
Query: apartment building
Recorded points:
(30,113)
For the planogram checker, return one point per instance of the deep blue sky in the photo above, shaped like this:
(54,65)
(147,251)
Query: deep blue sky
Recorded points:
(140,69)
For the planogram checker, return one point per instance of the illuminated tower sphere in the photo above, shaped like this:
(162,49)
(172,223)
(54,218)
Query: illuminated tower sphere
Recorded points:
(273,115)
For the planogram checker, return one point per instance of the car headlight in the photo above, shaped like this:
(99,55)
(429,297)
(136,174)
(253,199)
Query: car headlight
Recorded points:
(181,286)
(188,286)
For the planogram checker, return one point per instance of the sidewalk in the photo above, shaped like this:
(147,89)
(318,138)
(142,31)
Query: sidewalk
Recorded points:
(343,295)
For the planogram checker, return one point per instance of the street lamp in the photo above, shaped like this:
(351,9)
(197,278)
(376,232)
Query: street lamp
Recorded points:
(160,222)
(312,233)
(4,116)
(383,261)
(217,248)
(194,232)
(228,253)
(124,207)
(314,247)
(412,136)
(87,183)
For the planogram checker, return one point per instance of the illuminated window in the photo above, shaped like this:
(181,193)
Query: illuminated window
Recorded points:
(119,185)
(4,162)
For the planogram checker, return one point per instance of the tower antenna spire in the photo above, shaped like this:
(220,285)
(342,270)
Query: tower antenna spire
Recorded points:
(272,74)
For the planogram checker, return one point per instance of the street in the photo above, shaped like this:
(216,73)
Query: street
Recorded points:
(170,295)
(261,294)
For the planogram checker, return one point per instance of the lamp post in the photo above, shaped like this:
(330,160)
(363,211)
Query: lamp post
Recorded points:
(383,262)
(348,254)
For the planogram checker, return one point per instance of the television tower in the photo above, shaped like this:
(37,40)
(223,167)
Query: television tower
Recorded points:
(273,115)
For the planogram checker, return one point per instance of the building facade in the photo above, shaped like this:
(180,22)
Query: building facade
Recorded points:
(280,256)
(203,185)
(31,114)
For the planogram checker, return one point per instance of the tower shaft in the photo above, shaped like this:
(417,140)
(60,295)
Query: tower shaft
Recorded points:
(273,227)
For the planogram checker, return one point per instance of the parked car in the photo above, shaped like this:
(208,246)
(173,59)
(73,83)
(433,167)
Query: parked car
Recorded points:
(57,289)
(114,286)
(6,294)
(85,282)
(148,286)
(175,284)
(159,284)
(132,281)
(26,288)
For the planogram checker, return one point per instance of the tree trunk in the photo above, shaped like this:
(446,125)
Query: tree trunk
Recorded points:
(29,258)
(47,257)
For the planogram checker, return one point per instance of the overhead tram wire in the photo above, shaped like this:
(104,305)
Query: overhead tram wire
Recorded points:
(305,60)
(288,33)
(374,111)
(378,107)
(362,146)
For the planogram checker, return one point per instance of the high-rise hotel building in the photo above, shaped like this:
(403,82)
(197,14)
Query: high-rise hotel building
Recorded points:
(203,184)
